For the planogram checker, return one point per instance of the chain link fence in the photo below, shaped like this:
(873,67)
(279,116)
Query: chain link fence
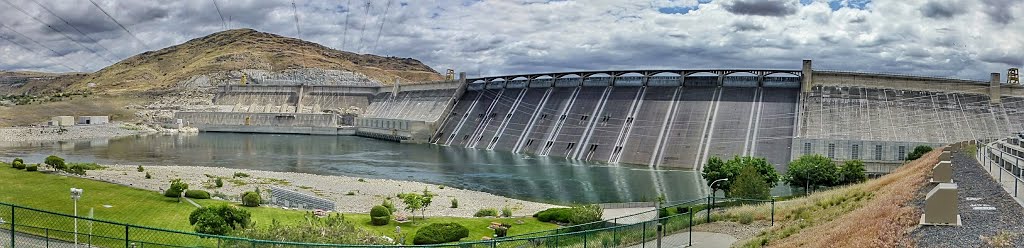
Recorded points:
(28,227)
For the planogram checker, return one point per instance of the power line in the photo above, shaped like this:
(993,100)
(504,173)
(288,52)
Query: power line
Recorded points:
(55,53)
(48,58)
(383,18)
(94,41)
(218,13)
(348,13)
(58,31)
(362,29)
(120,25)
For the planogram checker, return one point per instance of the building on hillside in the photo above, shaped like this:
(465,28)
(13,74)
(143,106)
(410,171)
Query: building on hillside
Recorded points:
(62,121)
(93,120)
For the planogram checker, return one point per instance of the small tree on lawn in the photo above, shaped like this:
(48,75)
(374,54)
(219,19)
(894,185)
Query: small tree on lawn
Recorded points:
(749,184)
(55,162)
(852,171)
(415,201)
(177,187)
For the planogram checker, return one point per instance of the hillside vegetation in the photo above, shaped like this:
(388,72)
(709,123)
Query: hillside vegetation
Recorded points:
(876,213)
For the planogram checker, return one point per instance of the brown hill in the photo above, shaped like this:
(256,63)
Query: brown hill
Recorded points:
(246,49)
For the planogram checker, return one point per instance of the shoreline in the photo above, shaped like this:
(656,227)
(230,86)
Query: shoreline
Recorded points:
(350,194)
(77,132)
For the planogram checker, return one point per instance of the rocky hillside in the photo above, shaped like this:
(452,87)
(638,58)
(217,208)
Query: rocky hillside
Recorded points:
(229,50)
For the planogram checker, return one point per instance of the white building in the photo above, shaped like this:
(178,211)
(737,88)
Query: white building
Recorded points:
(93,120)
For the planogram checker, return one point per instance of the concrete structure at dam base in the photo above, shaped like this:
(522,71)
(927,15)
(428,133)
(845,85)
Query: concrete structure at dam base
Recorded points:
(658,118)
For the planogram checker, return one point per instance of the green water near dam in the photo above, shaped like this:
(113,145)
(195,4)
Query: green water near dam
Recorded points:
(536,178)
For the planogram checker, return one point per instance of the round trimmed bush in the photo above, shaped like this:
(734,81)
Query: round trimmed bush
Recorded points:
(438,233)
(251,199)
(55,162)
(197,194)
(380,215)
(18,165)
(34,167)
(560,215)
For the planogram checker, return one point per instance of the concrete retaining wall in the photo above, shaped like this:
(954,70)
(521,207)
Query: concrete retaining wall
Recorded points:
(201,119)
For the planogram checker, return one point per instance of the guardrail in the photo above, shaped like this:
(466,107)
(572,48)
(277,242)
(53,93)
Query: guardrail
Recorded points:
(29,227)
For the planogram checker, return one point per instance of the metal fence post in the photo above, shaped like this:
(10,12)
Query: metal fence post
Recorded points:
(12,226)
(47,230)
(643,234)
(707,211)
(585,239)
(691,227)
(661,234)
(773,211)
(126,240)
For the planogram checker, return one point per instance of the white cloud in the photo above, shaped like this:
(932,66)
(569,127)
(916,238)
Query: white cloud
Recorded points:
(928,37)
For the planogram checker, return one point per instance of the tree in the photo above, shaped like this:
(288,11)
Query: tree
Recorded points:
(176,188)
(55,162)
(918,152)
(749,184)
(414,201)
(852,171)
(717,169)
(810,171)
(218,220)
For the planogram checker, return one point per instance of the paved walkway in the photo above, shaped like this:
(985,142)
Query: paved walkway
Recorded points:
(700,240)
(620,212)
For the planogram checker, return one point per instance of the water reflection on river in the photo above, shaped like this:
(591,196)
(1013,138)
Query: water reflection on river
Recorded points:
(535,178)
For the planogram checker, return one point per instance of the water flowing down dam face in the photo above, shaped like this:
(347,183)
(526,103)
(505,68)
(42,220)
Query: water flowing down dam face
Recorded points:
(659,126)
(537,178)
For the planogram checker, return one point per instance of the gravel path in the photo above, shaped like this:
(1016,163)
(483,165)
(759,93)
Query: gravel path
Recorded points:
(351,194)
(976,189)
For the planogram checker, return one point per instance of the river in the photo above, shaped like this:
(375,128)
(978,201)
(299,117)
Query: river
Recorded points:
(535,178)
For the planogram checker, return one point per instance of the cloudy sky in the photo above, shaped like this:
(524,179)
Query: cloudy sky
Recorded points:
(955,38)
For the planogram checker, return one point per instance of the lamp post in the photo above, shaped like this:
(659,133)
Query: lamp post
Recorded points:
(75,195)
(711,198)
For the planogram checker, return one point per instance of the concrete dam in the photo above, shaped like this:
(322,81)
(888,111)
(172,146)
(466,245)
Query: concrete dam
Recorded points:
(662,118)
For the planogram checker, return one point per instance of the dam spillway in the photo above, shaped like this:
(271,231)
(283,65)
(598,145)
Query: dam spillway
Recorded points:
(661,118)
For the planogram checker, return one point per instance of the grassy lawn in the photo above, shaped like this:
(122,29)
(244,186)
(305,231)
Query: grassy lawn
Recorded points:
(146,208)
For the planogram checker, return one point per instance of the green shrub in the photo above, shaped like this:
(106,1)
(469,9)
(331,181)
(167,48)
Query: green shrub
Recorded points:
(140,169)
(177,186)
(379,215)
(240,174)
(558,215)
(918,152)
(86,166)
(219,182)
(18,161)
(502,230)
(219,220)
(55,162)
(810,171)
(486,212)
(197,194)
(716,169)
(18,165)
(389,205)
(506,212)
(582,214)
(148,176)
(75,169)
(251,199)
(455,203)
(34,167)
(439,233)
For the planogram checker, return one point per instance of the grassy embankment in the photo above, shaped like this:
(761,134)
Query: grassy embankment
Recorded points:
(876,213)
(146,208)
